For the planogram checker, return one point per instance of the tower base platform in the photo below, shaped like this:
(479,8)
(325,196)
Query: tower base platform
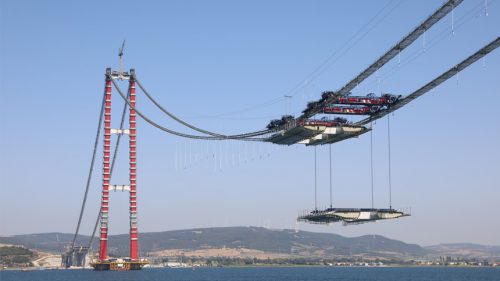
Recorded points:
(118,264)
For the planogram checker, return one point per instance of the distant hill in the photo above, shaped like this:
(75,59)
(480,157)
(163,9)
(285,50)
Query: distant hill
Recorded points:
(277,241)
(49,242)
(258,241)
(286,241)
(465,250)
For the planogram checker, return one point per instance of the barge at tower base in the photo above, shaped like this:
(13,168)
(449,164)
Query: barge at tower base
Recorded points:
(118,264)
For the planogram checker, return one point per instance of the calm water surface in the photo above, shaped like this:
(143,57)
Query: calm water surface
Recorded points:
(264,274)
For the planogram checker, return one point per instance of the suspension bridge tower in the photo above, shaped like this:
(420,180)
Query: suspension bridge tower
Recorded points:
(103,262)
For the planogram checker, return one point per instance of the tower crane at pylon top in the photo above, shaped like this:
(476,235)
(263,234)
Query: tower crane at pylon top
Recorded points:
(120,56)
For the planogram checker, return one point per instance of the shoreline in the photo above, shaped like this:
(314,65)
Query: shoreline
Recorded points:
(24,269)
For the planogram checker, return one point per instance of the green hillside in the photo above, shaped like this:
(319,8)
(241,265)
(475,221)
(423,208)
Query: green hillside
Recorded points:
(257,238)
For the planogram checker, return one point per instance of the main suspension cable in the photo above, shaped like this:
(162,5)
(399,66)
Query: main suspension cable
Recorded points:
(173,116)
(236,137)
(192,126)
(91,169)
(429,44)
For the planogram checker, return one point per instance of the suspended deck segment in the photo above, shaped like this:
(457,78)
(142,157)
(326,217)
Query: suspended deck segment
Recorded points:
(333,135)
(315,131)
(350,215)
(295,135)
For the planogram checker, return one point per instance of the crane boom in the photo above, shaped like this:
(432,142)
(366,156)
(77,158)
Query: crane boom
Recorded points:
(120,51)
(120,58)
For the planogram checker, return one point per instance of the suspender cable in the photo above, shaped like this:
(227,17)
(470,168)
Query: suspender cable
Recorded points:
(89,177)
(371,158)
(331,185)
(315,182)
(115,153)
(389,149)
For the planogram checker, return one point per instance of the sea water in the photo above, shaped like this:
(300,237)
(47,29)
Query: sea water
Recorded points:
(263,274)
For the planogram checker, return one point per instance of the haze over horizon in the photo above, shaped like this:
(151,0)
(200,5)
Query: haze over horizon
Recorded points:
(226,66)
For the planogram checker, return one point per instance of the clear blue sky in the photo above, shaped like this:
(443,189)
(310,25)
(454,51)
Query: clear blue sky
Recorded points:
(207,58)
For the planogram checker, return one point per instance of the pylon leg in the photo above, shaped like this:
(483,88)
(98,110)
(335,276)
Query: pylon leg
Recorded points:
(103,241)
(134,247)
